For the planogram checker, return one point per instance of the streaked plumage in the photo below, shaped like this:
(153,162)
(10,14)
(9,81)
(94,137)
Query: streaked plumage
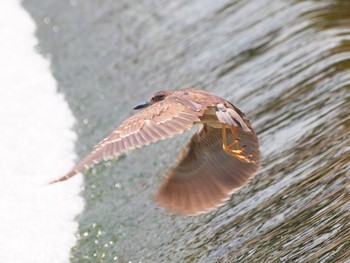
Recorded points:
(205,174)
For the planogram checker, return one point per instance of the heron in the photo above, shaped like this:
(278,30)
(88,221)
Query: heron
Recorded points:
(221,157)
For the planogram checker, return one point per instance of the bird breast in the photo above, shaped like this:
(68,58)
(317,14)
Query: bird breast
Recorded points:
(209,117)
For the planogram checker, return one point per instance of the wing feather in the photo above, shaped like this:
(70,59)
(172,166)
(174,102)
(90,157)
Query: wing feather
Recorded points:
(205,174)
(159,121)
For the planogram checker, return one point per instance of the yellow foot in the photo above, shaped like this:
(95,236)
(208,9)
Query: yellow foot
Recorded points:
(235,145)
(237,152)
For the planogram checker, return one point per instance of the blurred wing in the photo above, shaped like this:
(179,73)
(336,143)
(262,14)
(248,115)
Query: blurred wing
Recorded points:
(157,122)
(205,175)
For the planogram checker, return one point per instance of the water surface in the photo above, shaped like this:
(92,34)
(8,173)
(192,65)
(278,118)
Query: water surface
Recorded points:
(284,63)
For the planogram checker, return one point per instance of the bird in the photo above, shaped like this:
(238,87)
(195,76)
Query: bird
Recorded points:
(221,157)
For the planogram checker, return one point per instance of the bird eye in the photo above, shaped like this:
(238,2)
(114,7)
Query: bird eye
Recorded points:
(160,97)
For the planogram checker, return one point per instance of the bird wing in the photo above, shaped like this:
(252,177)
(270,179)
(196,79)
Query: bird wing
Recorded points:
(205,175)
(160,121)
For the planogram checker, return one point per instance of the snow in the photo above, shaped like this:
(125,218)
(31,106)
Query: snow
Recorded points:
(37,220)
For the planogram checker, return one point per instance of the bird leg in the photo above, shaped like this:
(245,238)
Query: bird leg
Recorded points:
(233,148)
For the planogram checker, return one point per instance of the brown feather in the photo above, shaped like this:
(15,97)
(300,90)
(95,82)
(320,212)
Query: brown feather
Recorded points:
(206,173)
(147,126)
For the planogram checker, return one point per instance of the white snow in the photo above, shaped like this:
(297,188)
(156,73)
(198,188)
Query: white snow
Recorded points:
(36,145)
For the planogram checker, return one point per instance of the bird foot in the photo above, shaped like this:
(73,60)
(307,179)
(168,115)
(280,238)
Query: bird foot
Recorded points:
(233,148)
(238,154)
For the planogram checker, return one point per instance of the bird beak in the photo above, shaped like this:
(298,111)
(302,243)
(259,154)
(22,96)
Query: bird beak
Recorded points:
(141,105)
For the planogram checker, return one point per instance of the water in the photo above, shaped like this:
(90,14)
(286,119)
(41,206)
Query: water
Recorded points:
(284,63)
(37,145)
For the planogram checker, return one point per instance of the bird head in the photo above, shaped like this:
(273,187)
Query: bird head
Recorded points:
(159,96)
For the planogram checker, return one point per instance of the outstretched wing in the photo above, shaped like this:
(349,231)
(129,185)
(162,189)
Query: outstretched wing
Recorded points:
(157,122)
(205,175)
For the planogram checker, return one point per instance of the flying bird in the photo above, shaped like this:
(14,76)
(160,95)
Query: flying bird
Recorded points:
(221,157)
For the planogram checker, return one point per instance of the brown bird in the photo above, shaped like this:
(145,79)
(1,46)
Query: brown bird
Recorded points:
(220,158)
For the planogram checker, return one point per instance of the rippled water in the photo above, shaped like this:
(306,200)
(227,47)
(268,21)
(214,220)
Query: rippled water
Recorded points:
(285,63)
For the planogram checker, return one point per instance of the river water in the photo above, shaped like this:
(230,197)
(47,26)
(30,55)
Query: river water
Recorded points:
(285,63)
